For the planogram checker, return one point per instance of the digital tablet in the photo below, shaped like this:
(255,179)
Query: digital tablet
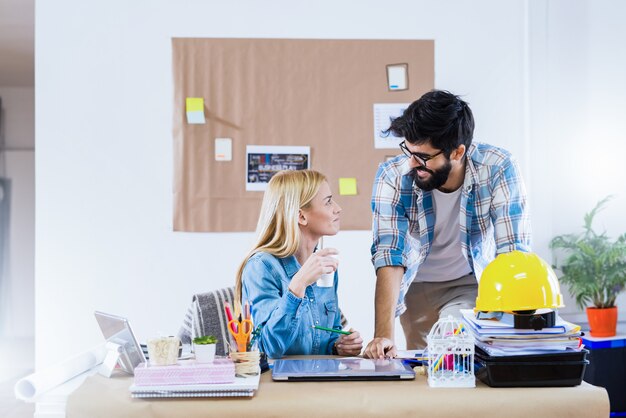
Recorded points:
(351,368)
(116,329)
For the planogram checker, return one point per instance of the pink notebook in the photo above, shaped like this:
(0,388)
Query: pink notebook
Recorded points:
(186,372)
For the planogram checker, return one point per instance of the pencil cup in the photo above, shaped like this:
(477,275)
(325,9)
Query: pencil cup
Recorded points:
(327,279)
(163,351)
(246,363)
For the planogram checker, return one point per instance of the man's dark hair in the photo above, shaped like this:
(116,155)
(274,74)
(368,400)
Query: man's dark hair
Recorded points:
(438,117)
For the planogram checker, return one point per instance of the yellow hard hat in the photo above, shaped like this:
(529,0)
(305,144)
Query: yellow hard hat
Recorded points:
(518,281)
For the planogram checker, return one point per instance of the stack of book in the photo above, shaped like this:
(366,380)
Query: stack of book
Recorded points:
(513,357)
(188,378)
(500,338)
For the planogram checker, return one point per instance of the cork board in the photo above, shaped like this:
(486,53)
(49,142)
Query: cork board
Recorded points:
(295,92)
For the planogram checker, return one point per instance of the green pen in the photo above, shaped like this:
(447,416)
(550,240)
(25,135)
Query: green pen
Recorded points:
(338,331)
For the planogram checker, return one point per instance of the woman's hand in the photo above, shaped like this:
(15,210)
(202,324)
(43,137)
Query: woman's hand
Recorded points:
(349,345)
(317,264)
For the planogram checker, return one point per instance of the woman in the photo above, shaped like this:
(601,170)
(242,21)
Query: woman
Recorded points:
(278,276)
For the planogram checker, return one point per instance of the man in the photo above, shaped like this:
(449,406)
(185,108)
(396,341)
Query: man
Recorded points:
(441,213)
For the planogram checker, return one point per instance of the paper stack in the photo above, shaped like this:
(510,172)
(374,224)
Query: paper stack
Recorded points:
(499,338)
(191,379)
(186,372)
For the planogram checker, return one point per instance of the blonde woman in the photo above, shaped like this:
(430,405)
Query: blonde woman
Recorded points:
(278,277)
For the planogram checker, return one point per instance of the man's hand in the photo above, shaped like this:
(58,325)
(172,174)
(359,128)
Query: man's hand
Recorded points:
(349,345)
(380,348)
(387,289)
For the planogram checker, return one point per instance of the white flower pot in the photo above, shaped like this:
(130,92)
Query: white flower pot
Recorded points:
(205,353)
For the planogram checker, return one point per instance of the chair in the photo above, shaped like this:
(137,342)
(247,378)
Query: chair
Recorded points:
(206,316)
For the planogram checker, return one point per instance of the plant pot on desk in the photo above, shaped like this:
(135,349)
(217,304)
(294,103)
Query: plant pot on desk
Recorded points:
(205,353)
(602,321)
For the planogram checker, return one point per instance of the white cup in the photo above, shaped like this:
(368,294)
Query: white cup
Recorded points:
(327,279)
(163,351)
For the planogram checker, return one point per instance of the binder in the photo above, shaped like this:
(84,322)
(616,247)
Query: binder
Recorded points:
(241,387)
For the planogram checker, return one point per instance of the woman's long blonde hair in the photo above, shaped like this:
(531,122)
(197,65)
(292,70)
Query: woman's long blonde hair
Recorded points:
(277,231)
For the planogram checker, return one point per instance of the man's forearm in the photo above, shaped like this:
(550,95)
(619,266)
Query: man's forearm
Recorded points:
(388,281)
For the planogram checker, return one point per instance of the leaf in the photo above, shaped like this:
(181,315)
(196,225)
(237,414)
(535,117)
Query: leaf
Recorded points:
(205,339)
(593,267)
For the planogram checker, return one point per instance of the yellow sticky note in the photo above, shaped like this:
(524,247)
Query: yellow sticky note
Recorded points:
(195,104)
(347,186)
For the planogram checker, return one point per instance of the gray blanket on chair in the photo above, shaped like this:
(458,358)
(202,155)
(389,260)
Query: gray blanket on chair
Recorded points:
(206,316)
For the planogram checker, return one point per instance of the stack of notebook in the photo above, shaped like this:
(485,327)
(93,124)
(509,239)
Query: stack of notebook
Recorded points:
(500,338)
(510,357)
(190,379)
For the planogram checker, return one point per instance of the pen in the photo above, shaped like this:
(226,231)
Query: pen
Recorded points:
(338,331)
(229,315)
(246,311)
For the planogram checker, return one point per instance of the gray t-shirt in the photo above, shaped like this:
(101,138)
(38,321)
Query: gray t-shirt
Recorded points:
(445,261)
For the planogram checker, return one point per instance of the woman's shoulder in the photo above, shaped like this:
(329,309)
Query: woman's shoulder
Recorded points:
(263,256)
(262,259)
(262,266)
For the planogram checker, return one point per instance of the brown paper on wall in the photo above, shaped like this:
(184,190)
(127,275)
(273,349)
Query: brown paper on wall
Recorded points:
(317,93)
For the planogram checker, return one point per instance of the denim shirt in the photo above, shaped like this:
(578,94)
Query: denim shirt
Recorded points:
(287,319)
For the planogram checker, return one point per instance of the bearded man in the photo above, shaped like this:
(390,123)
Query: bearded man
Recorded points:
(442,210)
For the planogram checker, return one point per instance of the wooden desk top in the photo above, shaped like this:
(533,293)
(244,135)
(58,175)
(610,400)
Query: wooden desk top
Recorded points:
(102,397)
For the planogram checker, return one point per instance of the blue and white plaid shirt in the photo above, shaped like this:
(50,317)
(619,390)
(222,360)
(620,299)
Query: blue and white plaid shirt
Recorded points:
(494,215)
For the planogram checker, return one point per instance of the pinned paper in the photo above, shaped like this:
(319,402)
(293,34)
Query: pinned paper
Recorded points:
(347,186)
(383,114)
(223,149)
(195,110)
(397,77)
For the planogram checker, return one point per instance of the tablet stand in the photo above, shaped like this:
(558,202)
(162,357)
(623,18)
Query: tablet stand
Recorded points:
(114,352)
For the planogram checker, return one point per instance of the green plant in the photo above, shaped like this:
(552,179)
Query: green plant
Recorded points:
(205,339)
(595,266)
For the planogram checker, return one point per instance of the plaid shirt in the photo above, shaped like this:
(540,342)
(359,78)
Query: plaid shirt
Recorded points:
(493,219)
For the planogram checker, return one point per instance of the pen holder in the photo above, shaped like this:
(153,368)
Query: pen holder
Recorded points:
(246,362)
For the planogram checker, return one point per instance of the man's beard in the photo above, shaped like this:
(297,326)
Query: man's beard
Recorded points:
(437,177)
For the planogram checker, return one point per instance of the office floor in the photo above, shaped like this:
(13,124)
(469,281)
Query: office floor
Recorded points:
(17,358)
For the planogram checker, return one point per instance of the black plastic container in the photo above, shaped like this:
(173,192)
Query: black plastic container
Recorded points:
(553,369)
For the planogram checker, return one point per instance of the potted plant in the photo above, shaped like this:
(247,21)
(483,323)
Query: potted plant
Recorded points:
(204,348)
(594,269)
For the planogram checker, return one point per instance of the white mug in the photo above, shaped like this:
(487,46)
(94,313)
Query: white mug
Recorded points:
(327,279)
(163,351)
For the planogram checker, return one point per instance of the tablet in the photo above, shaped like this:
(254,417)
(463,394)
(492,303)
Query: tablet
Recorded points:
(351,368)
(116,329)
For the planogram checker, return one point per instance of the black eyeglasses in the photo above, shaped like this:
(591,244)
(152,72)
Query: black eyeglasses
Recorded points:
(420,158)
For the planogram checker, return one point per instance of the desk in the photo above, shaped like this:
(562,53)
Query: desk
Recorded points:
(102,397)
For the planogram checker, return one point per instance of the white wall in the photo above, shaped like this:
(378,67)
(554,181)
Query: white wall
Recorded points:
(17,165)
(585,133)
(104,147)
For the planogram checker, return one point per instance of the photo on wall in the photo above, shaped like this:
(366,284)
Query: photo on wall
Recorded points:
(262,162)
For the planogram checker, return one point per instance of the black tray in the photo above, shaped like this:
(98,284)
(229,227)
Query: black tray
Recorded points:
(553,369)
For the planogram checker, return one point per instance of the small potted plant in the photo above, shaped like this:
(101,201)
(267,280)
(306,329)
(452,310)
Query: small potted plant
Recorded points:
(204,348)
(594,269)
